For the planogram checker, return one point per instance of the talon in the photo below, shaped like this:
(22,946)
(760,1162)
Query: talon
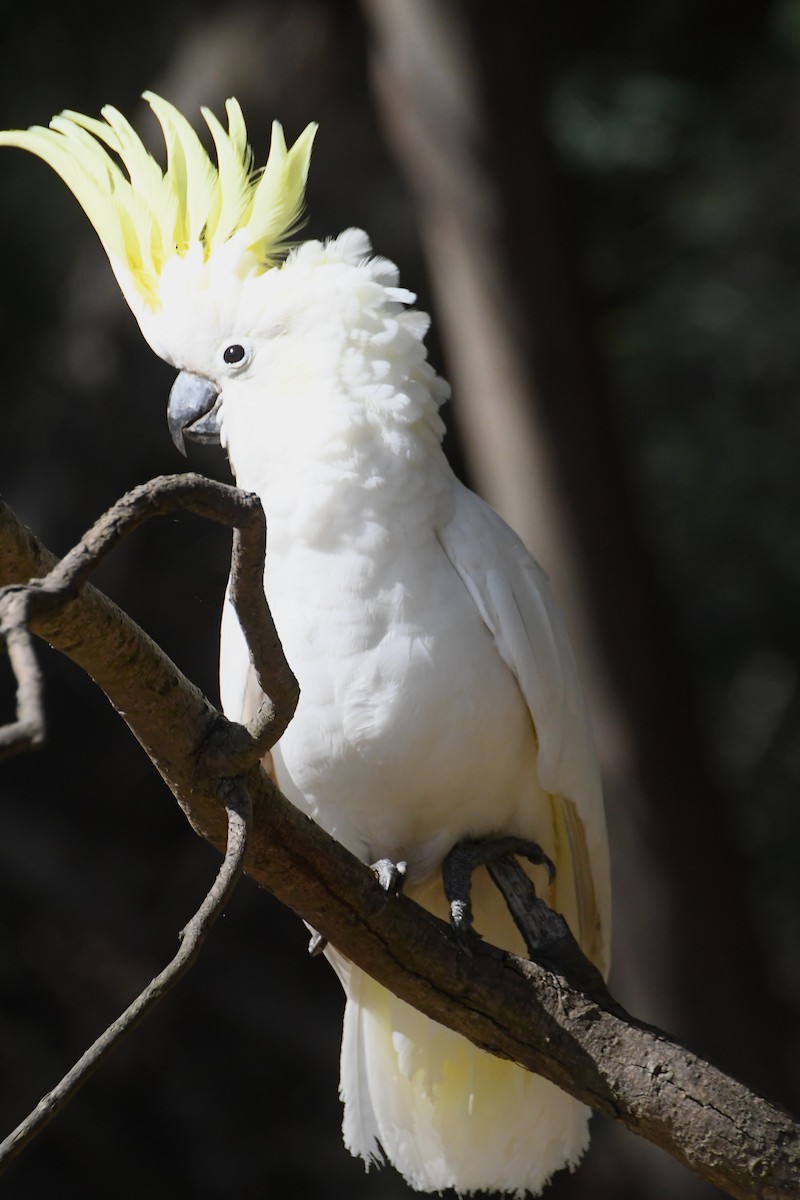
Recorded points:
(537,856)
(391,876)
(316,944)
(464,858)
(461,924)
(494,848)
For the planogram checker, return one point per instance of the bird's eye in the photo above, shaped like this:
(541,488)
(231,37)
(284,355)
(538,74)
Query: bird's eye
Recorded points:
(235,355)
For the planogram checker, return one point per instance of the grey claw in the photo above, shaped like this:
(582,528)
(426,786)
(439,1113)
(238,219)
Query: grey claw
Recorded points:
(464,858)
(461,924)
(391,876)
(316,944)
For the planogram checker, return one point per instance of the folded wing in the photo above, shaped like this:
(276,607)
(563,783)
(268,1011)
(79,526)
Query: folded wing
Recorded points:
(513,596)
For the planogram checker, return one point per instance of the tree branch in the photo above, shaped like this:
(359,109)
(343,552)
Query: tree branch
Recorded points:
(21,603)
(539,1014)
(237,805)
(27,732)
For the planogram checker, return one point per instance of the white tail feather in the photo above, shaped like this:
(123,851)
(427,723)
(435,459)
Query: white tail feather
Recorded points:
(443,1112)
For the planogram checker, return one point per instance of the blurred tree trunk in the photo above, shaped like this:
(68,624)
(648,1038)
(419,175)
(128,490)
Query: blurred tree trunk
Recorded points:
(458,92)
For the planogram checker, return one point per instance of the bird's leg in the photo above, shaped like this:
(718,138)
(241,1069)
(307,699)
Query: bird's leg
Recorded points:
(464,858)
(390,875)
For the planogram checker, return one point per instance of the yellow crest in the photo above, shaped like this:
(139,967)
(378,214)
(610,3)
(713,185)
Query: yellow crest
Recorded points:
(152,215)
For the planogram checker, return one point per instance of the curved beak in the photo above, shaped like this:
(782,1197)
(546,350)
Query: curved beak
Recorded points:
(193,410)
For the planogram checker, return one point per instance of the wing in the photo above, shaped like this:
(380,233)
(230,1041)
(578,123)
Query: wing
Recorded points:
(511,592)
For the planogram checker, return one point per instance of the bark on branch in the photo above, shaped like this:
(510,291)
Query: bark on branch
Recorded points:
(551,1016)
(21,603)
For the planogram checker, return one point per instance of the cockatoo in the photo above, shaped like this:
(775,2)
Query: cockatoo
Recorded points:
(439,698)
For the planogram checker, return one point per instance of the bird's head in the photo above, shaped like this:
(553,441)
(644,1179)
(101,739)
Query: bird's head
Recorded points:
(191,245)
(312,340)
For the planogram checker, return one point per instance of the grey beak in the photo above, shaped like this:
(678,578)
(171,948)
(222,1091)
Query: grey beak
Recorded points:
(193,410)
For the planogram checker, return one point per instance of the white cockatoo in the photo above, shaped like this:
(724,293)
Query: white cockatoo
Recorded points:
(439,696)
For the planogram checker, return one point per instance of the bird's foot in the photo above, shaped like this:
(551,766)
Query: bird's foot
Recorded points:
(391,876)
(464,858)
(316,943)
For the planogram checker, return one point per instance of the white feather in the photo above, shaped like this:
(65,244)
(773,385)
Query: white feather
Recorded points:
(439,696)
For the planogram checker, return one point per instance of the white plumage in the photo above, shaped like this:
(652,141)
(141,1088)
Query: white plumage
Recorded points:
(439,697)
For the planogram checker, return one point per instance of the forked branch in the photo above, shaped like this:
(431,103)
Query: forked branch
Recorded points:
(237,805)
(237,750)
(552,1016)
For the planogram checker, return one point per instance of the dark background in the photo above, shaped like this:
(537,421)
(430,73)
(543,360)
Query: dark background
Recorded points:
(648,155)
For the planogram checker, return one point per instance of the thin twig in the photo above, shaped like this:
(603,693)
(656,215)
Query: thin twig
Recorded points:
(235,749)
(521,1010)
(28,730)
(237,803)
(163,496)
(280,688)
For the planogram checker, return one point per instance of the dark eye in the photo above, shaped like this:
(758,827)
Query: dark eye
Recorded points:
(234,354)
